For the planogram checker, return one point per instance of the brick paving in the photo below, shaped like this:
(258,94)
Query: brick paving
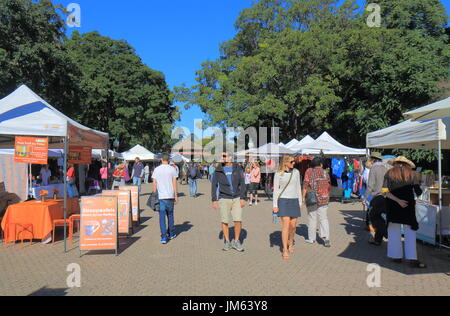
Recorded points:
(194,264)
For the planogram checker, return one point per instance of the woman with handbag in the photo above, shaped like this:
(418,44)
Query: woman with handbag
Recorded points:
(316,188)
(287,201)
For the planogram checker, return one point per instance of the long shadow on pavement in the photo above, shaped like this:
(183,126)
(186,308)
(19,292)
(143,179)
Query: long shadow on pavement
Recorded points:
(183,228)
(275,237)
(361,250)
(49,292)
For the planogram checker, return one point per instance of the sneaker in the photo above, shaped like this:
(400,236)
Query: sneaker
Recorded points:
(256,203)
(227,246)
(309,241)
(327,243)
(173,236)
(164,241)
(250,204)
(238,246)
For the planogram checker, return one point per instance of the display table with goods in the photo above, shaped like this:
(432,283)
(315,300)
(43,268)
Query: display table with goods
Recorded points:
(51,189)
(427,212)
(38,214)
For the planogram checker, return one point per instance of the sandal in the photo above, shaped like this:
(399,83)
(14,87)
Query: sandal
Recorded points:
(291,248)
(417,264)
(286,256)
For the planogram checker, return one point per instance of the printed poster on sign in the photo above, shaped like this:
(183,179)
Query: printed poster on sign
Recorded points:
(80,155)
(124,200)
(99,223)
(134,201)
(31,150)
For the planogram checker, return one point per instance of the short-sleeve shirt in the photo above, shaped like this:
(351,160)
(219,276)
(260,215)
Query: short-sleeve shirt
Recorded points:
(318,180)
(45,175)
(164,176)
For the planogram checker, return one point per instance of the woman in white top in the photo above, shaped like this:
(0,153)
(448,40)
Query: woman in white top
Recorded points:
(287,199)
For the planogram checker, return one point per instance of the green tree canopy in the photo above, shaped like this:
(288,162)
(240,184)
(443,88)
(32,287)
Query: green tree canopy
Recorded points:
(315,65)
(32,52)
(120,93)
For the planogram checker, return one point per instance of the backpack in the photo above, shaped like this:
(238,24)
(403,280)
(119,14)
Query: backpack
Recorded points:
(193,172)
(153,202)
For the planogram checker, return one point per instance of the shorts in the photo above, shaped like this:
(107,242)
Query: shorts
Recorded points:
(254,187)
(230,209)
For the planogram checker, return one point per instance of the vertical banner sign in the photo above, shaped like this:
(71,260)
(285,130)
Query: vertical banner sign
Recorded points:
(134,201)
(31,150)
(124,205)
(99,223)
(80,155)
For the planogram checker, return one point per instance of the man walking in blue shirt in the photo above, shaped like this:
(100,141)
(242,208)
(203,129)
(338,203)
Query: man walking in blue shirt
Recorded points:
(229,195)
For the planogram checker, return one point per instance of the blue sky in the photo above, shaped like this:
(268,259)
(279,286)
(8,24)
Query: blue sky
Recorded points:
(174,36)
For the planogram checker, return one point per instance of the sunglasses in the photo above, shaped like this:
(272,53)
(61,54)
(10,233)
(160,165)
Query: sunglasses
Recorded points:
(292,162)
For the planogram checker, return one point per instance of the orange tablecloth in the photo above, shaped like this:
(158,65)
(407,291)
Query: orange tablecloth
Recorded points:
(41,215)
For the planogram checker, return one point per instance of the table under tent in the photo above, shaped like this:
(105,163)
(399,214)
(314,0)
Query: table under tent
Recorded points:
(24,113)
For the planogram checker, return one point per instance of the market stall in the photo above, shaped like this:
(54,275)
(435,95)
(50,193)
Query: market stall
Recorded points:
(433,216)
(345,164)
(23,113)
(328,146)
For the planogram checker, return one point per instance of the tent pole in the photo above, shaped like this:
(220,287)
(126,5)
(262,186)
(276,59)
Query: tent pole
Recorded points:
(440,192)
(30,182)
(65,192)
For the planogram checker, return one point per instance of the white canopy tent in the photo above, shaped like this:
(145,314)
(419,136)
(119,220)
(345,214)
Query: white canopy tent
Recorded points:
(434,134)
(268,150)
(329,146)
(291,144)
(24,113)
(177,158)
(140,152)
(412,135)
(436,110)
(306,140)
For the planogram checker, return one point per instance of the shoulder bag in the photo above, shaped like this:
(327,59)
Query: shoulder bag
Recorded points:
(289,182)
(311,199)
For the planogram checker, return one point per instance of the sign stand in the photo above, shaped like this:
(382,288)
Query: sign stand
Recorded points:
(99,227)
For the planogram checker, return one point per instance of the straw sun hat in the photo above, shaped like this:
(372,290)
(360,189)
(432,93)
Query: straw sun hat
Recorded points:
(403,160)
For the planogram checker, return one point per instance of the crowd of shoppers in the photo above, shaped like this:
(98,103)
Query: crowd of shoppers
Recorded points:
(390,190)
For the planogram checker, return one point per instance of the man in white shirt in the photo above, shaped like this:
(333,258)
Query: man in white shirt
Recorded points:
(45,175)
(165,183)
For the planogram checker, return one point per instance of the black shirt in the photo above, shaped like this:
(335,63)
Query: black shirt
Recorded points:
(403,190)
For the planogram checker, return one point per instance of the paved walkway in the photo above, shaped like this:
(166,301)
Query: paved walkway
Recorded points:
(194,263)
